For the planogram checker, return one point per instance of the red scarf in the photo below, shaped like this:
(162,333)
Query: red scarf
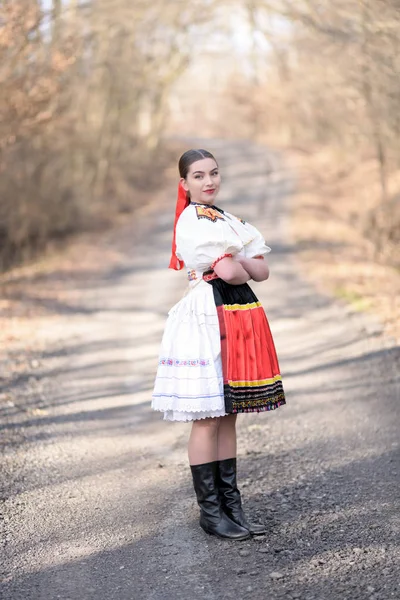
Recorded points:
(181,203)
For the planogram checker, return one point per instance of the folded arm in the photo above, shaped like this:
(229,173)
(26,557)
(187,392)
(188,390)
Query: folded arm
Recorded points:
(231,271)
(257,267)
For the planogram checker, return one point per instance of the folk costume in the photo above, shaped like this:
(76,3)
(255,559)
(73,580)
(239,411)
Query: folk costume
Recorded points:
(217,353)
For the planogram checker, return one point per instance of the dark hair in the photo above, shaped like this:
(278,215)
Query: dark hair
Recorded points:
(189,157)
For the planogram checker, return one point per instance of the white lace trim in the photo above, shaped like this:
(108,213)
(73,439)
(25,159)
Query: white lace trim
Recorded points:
(175,415)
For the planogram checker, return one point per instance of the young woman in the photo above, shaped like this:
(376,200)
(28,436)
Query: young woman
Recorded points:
(217,354)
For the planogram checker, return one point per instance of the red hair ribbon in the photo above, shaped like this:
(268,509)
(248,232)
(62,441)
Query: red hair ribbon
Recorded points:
(182,202)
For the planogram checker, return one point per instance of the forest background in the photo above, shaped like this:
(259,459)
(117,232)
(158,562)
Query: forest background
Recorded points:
(93,95)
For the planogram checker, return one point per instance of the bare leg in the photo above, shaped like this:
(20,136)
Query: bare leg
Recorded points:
(204,465)
(227,437)
(203,441)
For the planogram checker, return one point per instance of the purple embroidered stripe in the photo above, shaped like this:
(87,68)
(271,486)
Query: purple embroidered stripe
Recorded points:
(178,362)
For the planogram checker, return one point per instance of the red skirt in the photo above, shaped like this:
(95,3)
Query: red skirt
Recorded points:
(252,380)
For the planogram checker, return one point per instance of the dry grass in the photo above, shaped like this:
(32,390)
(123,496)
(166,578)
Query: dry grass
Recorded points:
(328,226)
(45,290)
(50,283)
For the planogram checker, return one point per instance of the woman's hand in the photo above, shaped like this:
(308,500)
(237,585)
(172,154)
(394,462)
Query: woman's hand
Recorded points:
(256,267)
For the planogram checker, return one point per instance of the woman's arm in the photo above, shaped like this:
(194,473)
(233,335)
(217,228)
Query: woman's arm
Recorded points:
(231,271)
(257,268)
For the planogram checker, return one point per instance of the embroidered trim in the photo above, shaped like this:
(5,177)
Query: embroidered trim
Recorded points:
(210,276)
(226,255)
(187,417)
(179,362)
(273,405)
(261,382)
(206,212)
(248,306)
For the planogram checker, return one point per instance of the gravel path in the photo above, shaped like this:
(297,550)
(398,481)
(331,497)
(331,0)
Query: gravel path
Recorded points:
(97,500)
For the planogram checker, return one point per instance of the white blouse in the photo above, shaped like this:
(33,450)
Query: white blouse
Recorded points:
(203,235)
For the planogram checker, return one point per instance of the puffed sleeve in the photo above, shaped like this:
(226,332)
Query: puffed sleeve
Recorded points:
(256,246)
(202,241)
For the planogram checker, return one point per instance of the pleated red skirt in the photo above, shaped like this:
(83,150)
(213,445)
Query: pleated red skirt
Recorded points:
(252,379)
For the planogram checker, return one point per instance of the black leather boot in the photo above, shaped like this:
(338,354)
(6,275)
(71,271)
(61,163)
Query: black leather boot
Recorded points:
(212,518)
(230,496)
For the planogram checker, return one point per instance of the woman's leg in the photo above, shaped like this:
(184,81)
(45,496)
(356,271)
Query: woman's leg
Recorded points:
(227,478)
(227,437)
(203,459)
(203,441)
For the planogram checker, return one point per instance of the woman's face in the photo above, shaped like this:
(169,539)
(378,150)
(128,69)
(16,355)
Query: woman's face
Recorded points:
(203,181)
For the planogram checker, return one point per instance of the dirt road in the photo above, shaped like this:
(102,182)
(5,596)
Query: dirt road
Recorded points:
(97,500)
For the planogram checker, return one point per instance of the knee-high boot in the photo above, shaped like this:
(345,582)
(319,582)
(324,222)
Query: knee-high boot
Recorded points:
(212,518)
(230,496)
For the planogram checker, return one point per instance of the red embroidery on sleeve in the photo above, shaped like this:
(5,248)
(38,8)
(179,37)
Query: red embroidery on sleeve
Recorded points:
(209,276)
(226,255)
